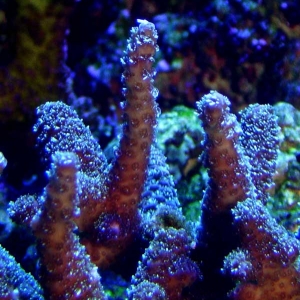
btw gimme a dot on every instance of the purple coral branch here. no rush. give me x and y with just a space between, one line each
241 161
66 270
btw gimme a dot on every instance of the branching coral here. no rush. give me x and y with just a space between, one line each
91 211
241 162
108 195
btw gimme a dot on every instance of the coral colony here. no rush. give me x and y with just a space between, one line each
92 211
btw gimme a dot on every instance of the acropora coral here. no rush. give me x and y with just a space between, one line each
94 215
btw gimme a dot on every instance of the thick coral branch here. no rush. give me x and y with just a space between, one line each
118 222
227 165
66 269
165 269
260 141
139 119
241 161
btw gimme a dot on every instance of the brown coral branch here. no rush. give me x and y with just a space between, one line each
66 270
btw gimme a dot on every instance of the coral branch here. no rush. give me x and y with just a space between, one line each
260 143
15 283
66 269
241 162
166 268
272 256
166 265
3 162
118 221
139 119
227 164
